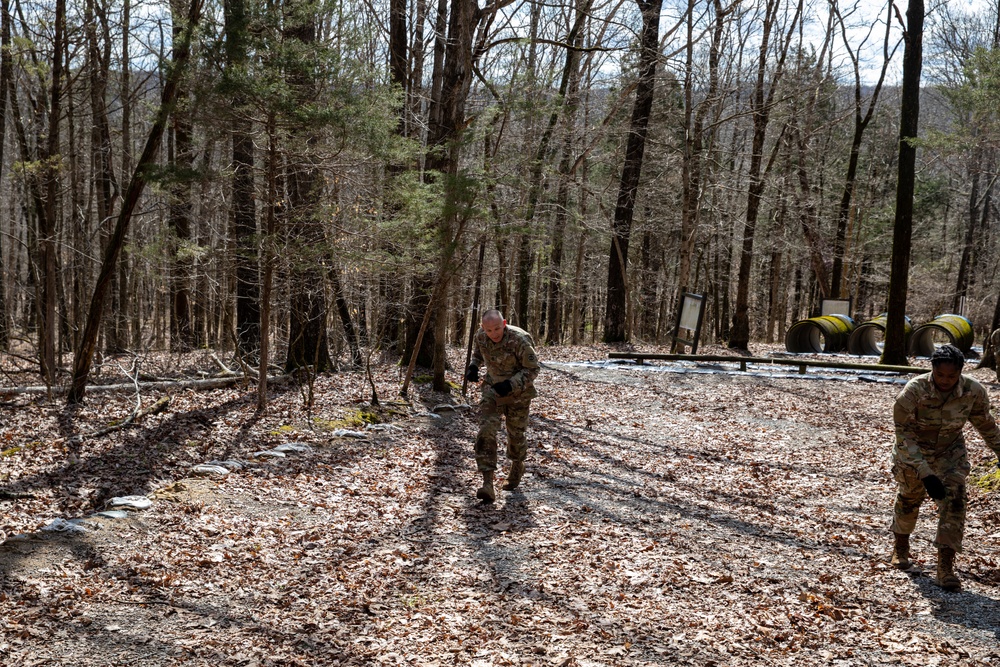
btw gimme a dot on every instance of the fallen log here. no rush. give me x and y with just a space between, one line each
162 385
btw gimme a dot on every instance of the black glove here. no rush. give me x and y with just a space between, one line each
935 488
503 388
472 373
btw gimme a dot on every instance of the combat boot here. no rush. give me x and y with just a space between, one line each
946 577
514 477
486 492
901 552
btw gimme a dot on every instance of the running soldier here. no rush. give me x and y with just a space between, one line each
930 456
511 368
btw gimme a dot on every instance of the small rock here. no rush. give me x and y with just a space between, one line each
269 454
347 433
132 502
64 526
443 407
293 448
379 427
429 415
230 464
112 514
208 470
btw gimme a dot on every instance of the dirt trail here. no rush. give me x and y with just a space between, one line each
666 519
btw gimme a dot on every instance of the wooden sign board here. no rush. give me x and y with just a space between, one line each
690 314
835 307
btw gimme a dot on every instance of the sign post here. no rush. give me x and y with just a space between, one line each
687 330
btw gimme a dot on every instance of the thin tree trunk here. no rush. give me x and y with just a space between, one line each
6 81
739 338
267 253
860 125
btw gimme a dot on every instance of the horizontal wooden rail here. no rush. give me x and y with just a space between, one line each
743 361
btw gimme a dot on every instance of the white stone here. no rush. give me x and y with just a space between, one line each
230 464
268 454
293 448
132 502
208 470
64 526
347 433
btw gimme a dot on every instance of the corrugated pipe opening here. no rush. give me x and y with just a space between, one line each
943 329
869 338
828 333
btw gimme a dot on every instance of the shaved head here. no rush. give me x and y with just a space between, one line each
492 315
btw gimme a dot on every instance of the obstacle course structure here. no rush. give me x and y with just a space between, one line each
869 337
837 333
827 333
948 328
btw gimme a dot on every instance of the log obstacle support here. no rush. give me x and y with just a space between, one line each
802 364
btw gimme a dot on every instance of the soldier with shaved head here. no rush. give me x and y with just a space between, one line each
511 369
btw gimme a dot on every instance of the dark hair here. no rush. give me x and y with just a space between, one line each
948 354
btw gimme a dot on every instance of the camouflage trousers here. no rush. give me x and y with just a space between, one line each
952 469
515 414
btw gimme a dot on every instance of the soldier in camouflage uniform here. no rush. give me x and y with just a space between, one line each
511 368
929 456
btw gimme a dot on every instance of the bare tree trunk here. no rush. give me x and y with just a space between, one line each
308 345
694 137
6 79
894 350
860 125
739 337
268 253
569 90
444 139
180 214
248 315
616 308
969 243
85 353
344 311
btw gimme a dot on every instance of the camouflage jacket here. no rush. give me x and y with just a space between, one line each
929 423
513 358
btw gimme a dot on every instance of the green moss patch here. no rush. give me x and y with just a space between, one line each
990 482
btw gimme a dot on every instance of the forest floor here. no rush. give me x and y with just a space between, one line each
700 518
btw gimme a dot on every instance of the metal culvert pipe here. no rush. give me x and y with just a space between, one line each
828 333
943 329
868 338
